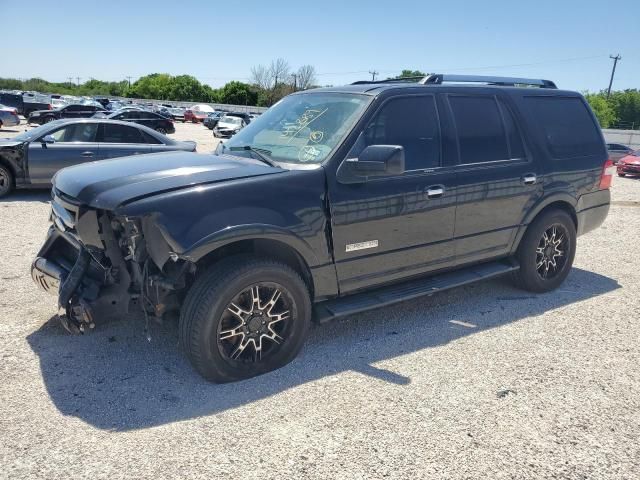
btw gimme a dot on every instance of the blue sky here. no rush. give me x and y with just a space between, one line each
566 41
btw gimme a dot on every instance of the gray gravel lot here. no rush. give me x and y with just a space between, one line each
484 382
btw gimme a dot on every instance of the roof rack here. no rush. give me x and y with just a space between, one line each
439 78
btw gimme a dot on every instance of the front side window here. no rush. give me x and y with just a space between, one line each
302 128
411 122
115 133
481 132
79 132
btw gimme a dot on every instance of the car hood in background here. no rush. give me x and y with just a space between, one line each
109 184
630 159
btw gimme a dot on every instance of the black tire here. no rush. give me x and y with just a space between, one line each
7 182
621 174
161 130
206 309
531 275
47 120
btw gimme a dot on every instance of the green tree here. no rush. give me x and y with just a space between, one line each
603 109
238 93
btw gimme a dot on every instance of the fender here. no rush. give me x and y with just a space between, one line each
541 204
256 231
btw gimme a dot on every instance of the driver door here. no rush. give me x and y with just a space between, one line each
389 228
73 144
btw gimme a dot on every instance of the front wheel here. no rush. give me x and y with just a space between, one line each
546 252
245 316
621 174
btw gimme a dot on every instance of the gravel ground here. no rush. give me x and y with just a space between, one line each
481 382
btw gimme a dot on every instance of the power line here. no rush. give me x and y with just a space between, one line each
613 71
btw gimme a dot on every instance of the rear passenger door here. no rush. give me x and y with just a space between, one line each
118 140
497 180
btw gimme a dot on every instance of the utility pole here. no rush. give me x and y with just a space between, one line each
613 71
129 79
373 75
70 81
78 79
295 82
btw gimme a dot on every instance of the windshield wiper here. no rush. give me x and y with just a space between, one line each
262 153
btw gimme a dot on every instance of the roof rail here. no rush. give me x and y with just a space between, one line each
439 78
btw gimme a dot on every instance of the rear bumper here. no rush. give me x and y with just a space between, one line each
592 210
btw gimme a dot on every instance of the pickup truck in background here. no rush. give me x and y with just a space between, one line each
25 102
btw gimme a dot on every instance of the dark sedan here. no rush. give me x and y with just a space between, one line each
70 111
30 159
153 120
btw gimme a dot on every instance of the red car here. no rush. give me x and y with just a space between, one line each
629 165
188 116
195 116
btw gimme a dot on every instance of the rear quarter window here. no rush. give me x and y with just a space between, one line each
567 125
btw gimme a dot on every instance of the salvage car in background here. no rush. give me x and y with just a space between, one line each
158 122
230 124
629 165
212 119
70 111
30 159
617 151
8 116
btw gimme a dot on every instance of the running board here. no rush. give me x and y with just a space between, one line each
380 297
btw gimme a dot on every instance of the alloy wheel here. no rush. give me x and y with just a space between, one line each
5 182
255 323
552 251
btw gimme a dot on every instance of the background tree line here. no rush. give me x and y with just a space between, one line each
269 83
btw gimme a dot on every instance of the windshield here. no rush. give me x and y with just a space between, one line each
230 120
302 128
37 132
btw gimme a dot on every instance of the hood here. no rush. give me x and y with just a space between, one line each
109 184
630 159
9 142
41 112
227 126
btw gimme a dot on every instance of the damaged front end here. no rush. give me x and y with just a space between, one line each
101 266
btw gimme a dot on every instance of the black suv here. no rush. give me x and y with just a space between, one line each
334 201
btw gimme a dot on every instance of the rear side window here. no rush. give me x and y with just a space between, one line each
481 132
150 139
568 127
114 133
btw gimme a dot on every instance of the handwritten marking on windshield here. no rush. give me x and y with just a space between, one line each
306 119
316 136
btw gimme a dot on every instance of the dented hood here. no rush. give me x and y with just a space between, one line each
108 184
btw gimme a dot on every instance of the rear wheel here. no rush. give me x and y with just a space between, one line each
161 130
47 119
546 252
244 317
6 181
621 174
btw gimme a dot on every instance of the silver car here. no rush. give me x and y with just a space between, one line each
617 151
8 117
63 143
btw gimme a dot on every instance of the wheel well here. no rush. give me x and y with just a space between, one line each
7 164
560 205
272 249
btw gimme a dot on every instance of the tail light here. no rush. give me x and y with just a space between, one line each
608 171
49 107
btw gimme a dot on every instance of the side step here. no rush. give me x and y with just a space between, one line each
380 297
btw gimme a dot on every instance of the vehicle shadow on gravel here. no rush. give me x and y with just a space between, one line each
114 379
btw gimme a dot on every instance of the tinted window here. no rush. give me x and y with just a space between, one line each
516 149
567 125
74 108
79 132
149 139
114 133
413 123
481 133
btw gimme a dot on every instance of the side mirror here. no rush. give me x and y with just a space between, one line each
48 139
373 161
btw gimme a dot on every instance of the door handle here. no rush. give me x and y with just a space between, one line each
529 179
435 191
87 154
